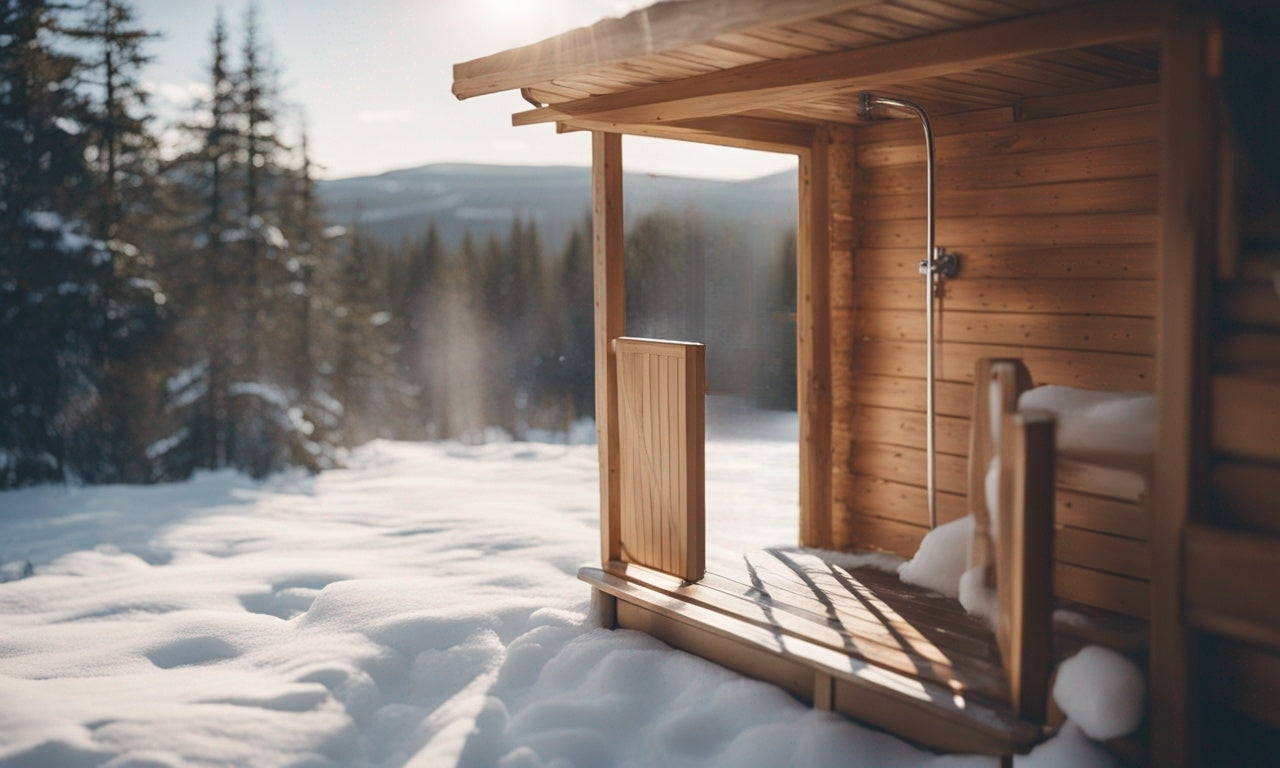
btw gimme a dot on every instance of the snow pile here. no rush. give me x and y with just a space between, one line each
976 597
1101 691
1093 420
942 558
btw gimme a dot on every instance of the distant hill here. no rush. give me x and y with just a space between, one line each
485 198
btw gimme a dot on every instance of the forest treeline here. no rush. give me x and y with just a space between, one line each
172 297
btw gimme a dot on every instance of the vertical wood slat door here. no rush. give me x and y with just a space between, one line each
661 421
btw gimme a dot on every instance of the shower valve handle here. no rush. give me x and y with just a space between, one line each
945 263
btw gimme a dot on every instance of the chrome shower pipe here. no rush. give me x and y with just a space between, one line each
936 264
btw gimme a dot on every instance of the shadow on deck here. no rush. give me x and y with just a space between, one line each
854 640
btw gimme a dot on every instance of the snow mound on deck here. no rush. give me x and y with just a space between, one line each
942 558
1101 691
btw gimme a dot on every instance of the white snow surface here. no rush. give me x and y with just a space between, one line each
418 608
1101 691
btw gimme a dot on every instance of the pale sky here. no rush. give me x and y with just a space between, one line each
374 76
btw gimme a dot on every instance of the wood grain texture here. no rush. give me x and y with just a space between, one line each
1074 131
813 343
1091 370
1095 262
1024 585
1008 171
738 89
660 27
841 236
1104 196
1042 230
997 385
927 712
1133 298
661 420
1101 333
1187 213
610 315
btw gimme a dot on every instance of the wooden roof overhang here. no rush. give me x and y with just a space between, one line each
763 74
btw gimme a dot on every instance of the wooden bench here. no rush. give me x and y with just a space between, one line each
861 642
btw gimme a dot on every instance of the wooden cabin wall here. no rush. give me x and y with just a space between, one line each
1233 553
1054 219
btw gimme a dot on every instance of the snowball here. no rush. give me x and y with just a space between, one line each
1101 691
941 559
1092 420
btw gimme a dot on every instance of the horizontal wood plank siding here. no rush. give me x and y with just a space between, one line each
1054 221
1233 553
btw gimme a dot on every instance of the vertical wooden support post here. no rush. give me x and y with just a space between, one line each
841 239
813 345
1187 237
606 608
610 320
1024 576
824 691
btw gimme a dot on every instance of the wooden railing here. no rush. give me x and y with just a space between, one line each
660 390
1017 546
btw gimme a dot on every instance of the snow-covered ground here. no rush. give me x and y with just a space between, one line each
418 608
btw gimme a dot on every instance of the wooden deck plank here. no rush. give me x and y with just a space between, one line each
831 634
899 646
831 588
934 716
833 610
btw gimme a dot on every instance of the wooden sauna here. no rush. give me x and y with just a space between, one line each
1115 230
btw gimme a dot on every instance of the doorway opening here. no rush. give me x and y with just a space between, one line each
713 260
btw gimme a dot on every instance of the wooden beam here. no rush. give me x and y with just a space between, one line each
660 27
740 132
842 236
610 323
813 344
1180 485
778 81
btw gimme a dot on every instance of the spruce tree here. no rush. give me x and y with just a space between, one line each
58 284
575 288
123 150
124 212
197 391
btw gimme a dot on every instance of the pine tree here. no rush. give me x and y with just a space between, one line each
414 294
575 291
362 368
197 391
123 150
58 285
123 212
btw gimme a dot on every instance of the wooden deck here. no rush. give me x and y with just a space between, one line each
826 633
